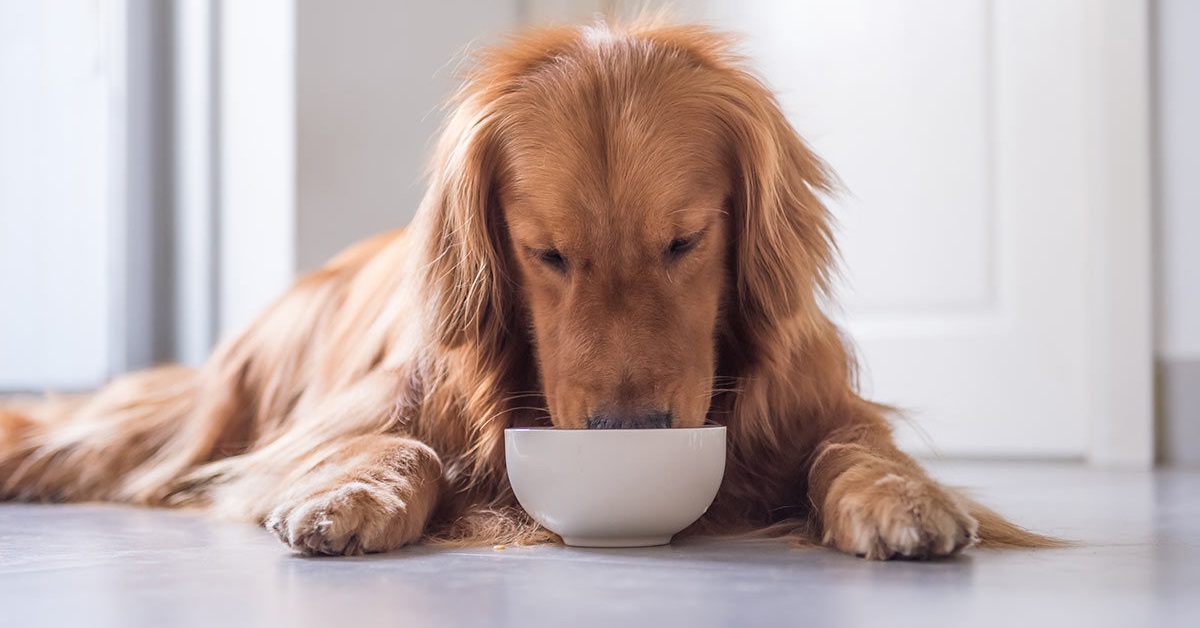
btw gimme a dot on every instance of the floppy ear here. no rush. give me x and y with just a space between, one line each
467 280
782 233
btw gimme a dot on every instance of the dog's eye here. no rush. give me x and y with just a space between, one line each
554 259
680 246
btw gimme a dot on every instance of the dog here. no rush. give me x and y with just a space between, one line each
621 230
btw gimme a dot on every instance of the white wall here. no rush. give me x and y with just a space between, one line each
371 76
1178 232
327 108
1178 47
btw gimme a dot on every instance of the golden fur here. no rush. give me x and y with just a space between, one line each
620 222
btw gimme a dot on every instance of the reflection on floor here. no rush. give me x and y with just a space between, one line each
113 566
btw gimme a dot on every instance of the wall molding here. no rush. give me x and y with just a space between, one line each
1178 405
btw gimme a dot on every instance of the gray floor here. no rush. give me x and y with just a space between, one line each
112 566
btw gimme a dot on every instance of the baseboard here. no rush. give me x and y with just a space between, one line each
1178 412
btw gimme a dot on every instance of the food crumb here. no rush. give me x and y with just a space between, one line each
499 547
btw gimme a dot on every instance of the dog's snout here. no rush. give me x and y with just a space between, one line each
607 421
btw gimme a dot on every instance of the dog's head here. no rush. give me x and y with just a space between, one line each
628 201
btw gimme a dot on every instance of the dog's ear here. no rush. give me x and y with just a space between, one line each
467 278
782 232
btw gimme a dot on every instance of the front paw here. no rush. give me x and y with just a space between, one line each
352 519
889 516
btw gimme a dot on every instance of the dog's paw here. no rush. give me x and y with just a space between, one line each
895 516
352 519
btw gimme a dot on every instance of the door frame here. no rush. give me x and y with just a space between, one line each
1121 325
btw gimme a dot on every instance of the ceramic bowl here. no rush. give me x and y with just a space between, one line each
615 488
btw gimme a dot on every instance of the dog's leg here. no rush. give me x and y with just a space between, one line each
874 501
365 494
340 478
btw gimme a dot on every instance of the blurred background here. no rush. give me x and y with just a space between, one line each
1020 226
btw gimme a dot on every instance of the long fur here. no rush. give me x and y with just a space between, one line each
377 388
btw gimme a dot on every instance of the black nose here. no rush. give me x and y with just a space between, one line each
605 421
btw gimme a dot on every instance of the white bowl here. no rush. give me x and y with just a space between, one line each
615 488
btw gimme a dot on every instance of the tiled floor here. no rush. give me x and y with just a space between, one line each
113 566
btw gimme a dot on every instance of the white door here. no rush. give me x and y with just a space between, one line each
975 140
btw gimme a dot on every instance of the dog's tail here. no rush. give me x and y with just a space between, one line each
995 531
103 446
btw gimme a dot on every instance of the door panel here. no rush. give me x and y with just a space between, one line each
54 195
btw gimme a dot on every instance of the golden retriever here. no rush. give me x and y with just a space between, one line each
621 230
